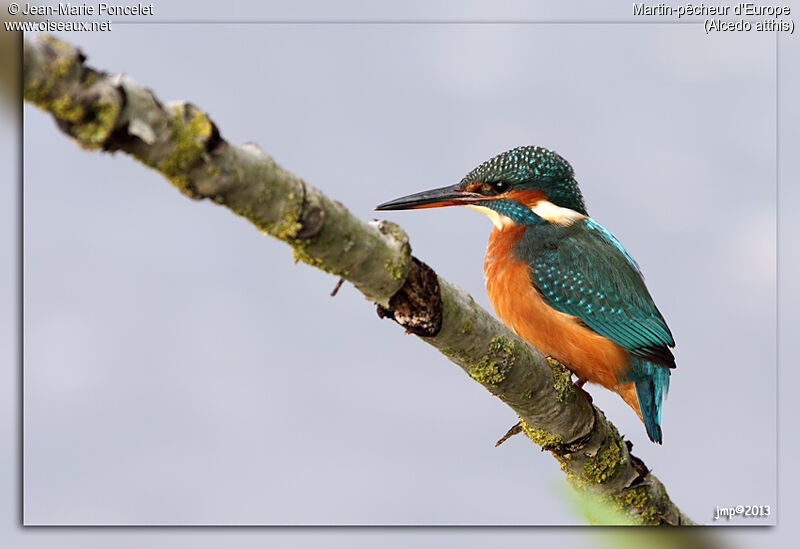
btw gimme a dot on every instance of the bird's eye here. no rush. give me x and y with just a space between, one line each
500 187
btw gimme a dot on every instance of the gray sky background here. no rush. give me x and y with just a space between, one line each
180 369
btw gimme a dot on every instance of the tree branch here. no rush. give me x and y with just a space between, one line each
112 112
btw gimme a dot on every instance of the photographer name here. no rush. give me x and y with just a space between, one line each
102 8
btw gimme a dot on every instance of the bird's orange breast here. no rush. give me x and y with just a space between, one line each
521 307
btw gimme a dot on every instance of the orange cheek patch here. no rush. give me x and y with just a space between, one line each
529 197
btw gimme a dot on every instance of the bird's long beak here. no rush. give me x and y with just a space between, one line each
435 198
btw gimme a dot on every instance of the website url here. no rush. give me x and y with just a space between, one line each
63 26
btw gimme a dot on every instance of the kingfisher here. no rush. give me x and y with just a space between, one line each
560 280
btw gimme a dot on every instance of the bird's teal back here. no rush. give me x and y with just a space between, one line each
582 270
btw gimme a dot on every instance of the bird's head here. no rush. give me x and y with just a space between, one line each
523 186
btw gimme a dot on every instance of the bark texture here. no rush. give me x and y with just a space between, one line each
114 113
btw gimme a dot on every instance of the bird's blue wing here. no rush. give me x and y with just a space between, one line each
609 238
582 270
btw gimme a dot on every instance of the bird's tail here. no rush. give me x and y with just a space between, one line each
652 384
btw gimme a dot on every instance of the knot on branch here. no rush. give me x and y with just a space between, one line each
312 216
417 305
193 136
83 104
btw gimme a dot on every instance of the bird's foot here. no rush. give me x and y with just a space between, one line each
579 384
516 429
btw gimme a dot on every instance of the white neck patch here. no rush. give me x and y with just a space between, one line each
556 214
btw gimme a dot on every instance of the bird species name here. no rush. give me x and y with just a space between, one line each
703 10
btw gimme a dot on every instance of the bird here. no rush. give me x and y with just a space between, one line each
560 280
